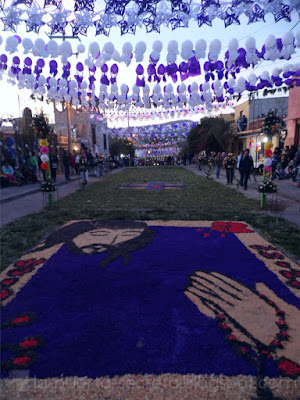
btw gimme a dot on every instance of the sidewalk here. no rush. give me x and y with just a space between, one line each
18 201
15 192
288 195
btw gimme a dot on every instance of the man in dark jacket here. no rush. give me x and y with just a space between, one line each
245 167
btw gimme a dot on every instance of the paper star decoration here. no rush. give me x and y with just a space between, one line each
179 20
104 24
150 24
230 17
84 5
258 14
52 3
126 28
203 18
83 20
25 2
11 19
59 20
34 21
284 13
182 6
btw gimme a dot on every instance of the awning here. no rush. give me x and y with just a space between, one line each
253 135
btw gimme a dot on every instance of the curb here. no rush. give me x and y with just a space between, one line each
19 196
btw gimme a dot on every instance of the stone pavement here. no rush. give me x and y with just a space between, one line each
18 201
288 195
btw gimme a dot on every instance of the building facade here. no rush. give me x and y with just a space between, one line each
293 118
87 129
253 137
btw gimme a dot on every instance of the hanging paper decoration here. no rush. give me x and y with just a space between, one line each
114 72
84 5
150 14
104 80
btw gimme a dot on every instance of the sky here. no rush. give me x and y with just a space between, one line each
13 100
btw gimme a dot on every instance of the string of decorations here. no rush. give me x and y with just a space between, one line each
235 57
151 15
77 90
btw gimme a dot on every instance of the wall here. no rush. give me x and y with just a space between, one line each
263 106
293 117
81 128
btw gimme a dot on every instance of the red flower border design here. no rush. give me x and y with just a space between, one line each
233 227
292 276
21 267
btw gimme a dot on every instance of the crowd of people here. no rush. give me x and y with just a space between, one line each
285 164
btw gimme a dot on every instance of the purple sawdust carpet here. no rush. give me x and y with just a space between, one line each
172 299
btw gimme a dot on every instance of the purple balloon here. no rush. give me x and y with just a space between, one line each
16 60
219 65
161 69
139 69
18 38
114 69
104 68
28 61
40 63
93 69
3 58
207 66
79 67
53 64
67 66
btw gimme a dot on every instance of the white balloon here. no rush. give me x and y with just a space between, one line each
157 46
81 48
109 48
27 44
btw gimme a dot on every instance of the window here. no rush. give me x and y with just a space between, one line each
104 142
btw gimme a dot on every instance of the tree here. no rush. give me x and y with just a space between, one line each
213 134
272 123
121 146
40 123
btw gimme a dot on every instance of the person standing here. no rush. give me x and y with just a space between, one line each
53 166
73 162
83 168
218 162
33 165
66 163
100 163
245 167
77 160
229 162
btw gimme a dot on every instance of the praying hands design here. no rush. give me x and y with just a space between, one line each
254 316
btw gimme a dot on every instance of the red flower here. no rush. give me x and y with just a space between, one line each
31 342
283 264
224 326
221 316
206 234
287 274
244 350
231 337
21 320
233 227
25 266
5 293
21 361
281 322
198 230
289 367
295 283
9 281
223 235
